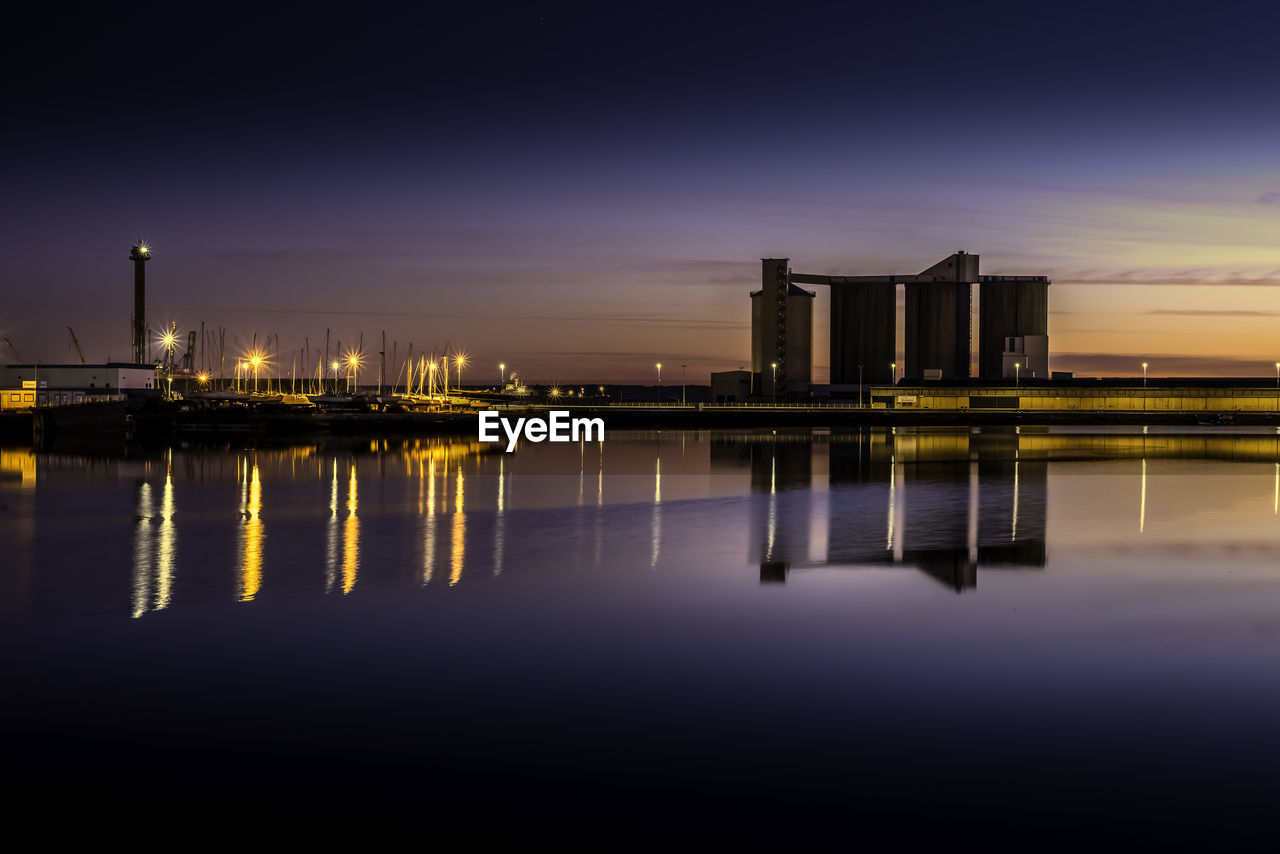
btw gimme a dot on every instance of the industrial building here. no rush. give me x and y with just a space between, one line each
1082 395
1012 334
25 386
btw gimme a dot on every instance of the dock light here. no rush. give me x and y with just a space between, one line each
353 366
460 360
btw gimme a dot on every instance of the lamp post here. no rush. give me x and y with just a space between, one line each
353 364
659 383
1017 374
774 384
893 373
255 362
333 369
502 376
460 360
682 367
1144 386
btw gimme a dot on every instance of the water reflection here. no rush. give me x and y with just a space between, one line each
351 536
458 550
155 546
252 532
944 504
951 504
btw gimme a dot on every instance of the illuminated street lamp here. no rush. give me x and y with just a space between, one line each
502 376
659 383
460 360
333 369
774 385
893 373
255 362
353 366
1017 373
431 386
1144 386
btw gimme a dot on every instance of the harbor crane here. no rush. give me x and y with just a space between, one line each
75 345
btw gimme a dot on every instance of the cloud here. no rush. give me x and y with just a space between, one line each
1244 312
1141 277
1272 198
1172 365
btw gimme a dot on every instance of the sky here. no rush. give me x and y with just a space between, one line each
579 191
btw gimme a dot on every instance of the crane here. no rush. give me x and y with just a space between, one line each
14 350
76 345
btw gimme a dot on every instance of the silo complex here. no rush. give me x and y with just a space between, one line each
938 343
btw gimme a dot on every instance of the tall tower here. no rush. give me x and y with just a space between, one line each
781 333
140 254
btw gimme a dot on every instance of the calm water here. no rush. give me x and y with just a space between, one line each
1036 636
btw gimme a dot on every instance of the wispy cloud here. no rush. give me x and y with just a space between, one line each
1141 277
1243 312
1173 365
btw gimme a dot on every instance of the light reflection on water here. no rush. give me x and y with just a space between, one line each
1019 613
947 503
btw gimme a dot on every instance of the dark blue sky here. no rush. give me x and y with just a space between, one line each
580 190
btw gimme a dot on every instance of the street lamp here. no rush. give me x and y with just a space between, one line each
460 360
333 369
255 362
353 366
1144 386
1017 373
773 386
659 383
502 376
893 373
